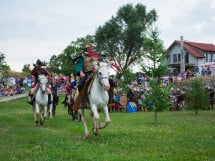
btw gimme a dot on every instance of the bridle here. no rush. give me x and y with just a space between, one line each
98 75
41 85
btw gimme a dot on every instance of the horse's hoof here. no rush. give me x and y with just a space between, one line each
36 123
95 131
87 136
41 123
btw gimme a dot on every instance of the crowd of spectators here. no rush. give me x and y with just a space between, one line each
20 85
138 89
12 86
136 94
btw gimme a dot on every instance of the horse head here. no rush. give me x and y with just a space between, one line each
43 82
102 69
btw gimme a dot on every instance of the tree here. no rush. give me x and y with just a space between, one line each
63 63
122 36
155 53
26 68
197 96
4 68
2 58
126 79
54 64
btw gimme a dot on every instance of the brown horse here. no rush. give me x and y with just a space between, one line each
69 103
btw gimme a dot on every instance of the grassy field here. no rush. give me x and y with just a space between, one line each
178 136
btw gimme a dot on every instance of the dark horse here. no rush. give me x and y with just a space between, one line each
71 98
55 98
113 84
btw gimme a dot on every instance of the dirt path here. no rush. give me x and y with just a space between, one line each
8 98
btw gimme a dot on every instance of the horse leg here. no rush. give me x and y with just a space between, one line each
107 118
95 130
36 113
45 111
37 110
76 115
41 119
95 119
35 117
72 114
42 115
68 110
50 110
87 134
53 110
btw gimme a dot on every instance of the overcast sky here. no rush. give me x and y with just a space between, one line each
32 29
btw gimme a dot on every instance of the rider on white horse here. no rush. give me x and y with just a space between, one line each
38 70
84 63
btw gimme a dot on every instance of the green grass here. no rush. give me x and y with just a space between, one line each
179 135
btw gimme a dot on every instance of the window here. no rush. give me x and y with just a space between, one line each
168 58
179 57
175 58
206 57
213 55
187 58
210 55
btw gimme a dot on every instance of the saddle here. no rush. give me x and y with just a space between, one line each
83 93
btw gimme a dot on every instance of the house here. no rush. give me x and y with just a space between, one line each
183 55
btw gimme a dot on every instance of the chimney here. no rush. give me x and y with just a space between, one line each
182 63
182 44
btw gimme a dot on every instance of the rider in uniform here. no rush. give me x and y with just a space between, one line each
84 64
38 69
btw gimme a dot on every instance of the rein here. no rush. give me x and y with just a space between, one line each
94 76
99 77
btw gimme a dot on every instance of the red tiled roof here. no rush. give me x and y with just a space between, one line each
202 46
195 48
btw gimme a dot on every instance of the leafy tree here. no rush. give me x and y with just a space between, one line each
63 63
2 58
54 64
122 36
155 53
126 79
26 68
4 68
157 97
197 96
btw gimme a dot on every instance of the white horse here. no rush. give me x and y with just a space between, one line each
98 98
41 100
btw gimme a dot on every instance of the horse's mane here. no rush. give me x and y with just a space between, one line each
99 64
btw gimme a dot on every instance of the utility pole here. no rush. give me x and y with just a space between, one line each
182 63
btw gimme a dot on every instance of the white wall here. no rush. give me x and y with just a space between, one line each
174 50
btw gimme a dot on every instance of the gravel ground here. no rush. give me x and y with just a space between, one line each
8 98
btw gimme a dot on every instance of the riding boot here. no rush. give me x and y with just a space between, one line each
49 99
31 101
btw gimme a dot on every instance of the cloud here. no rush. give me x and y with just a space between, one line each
200 26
